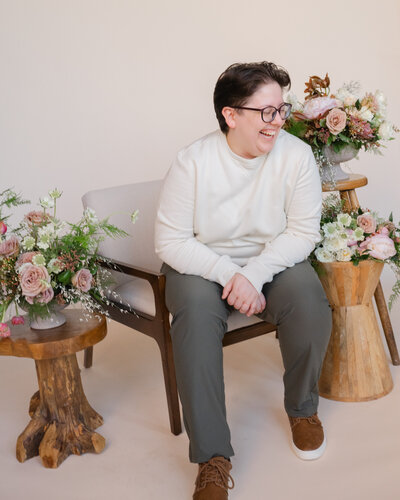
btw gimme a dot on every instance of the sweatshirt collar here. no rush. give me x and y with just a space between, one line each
247 163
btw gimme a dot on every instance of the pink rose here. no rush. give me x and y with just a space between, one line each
36 217
313 108
380 246
82 280
10 247
3 227
336 120
34 280
4 330
366 222
43 298
25 258
17 320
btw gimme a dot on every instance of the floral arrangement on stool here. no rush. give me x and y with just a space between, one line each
349 261
338 125
47 264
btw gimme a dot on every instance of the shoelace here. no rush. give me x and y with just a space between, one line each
214 471
312 420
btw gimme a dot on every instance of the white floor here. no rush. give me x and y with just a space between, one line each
144 461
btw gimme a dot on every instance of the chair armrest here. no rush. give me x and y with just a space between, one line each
156 280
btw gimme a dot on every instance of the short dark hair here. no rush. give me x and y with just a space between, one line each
239 82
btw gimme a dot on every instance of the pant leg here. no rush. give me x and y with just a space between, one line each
297 304
198 327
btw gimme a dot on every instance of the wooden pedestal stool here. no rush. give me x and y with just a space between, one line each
63 421
347 192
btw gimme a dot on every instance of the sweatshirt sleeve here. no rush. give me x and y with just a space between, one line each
175 241
297 241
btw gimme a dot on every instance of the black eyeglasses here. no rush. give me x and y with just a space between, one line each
269 112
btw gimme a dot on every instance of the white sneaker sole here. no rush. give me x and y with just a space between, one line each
312 454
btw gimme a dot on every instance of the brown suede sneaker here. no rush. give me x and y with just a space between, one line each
212 481
309 442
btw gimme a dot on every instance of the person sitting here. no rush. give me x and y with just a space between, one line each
238 215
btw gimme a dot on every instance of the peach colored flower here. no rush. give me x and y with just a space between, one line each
336 120
43 298
10 247
34 280
82 280
313 108
380 246
36 217
366 222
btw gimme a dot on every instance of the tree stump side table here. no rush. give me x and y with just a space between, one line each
348 194
62 421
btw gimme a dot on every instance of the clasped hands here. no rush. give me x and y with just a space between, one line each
242 295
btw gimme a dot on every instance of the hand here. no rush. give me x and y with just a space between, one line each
242 295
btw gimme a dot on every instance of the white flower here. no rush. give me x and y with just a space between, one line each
90 216
54 266
346 97
46 202
386 131
28 243
43 245
344 219
323 255
359 234
364 114
382 102
55 193
336 243
331 229
344 254
38 260
291 98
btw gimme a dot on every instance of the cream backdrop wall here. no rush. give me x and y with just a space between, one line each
96 93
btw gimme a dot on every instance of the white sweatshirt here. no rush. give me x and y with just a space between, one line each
221 214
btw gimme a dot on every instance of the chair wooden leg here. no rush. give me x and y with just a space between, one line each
88 357
165 346
386 324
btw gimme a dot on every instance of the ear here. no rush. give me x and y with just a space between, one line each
230 116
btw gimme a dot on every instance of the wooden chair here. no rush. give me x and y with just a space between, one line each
139 286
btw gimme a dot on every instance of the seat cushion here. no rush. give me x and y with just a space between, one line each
138 294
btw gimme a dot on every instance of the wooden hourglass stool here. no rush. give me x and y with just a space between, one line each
347 192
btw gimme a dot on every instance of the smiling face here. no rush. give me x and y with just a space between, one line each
248 136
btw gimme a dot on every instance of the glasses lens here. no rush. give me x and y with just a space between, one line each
268 114
285 110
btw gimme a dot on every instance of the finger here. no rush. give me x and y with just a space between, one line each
231 299
238 303
252 310
227 290
244 308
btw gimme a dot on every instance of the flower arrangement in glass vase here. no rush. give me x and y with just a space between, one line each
46 263
357 236
337 125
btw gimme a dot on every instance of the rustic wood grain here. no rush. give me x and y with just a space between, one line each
355 367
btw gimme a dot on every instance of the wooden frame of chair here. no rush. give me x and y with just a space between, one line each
158 327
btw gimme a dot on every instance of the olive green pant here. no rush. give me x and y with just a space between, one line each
296 303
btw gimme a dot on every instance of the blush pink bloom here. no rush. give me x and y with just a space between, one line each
336 120
366 222
25 258
43 298
380 246
82 280
10 247
34 280
3 227
36 217
351 243
313 108
17 320
4 330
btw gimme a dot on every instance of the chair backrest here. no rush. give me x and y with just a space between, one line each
118 203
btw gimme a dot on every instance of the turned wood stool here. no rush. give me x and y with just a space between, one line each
347 192
62 421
